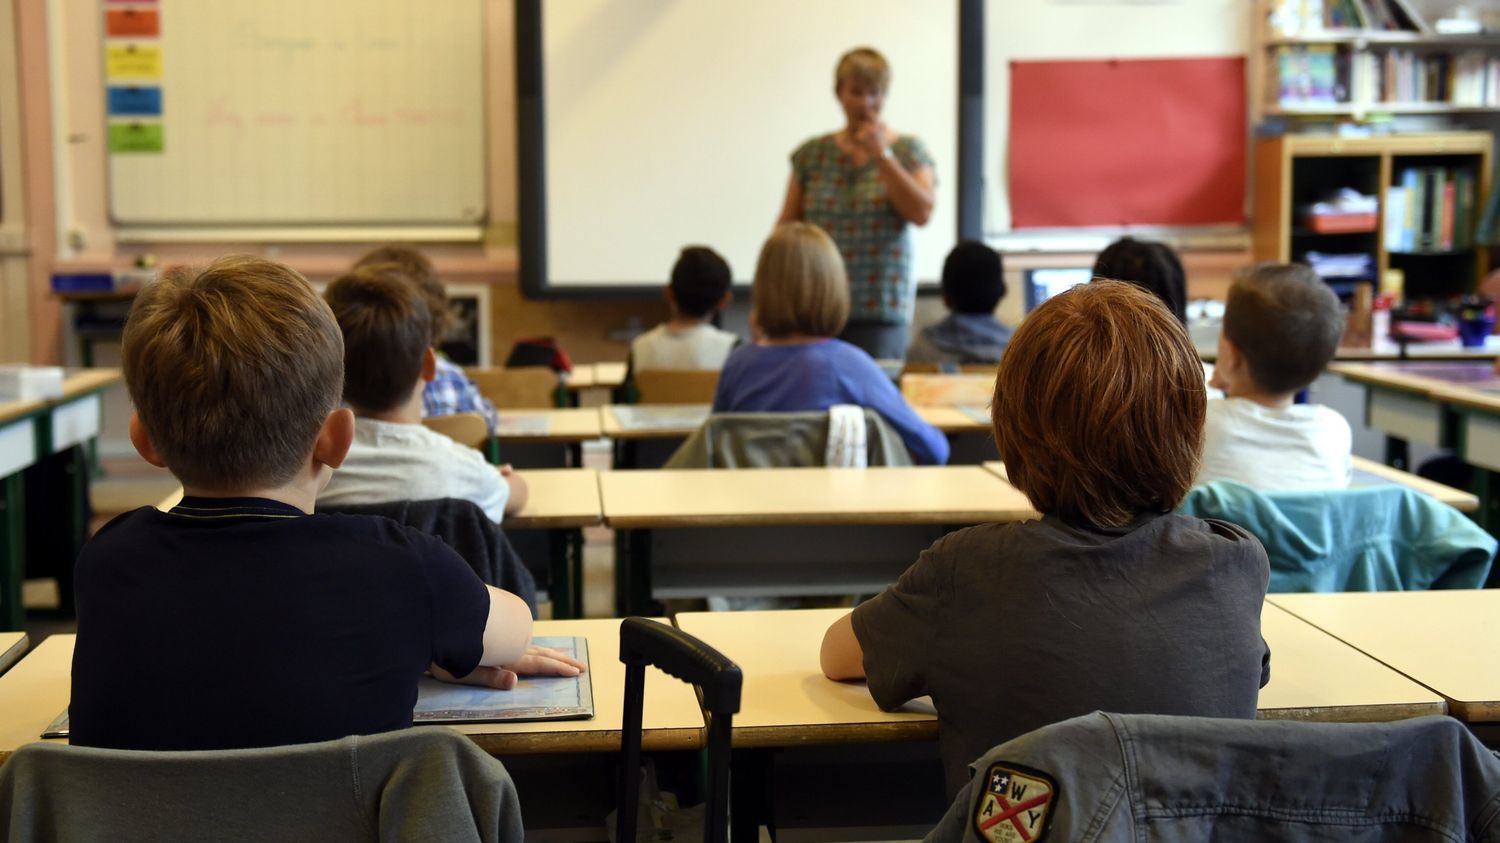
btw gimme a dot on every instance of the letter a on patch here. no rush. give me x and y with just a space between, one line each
1015 805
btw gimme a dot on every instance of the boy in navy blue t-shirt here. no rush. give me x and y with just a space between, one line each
240 619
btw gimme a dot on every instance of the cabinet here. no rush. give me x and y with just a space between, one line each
1294 171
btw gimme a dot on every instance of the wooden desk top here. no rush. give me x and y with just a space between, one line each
34 692
582 377
954 418
77 382
558 497
1315 676
574 424
812 496
171 500
652 421
1419 377
12 645
609 375
12 410
1456 498
786 699
1485 400
1445 640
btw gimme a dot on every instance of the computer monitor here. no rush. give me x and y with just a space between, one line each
1043 284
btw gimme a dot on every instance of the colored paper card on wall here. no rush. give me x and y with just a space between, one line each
132 62
135 137
131 100
1140 142
132 23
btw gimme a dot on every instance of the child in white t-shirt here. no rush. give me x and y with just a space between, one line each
1282 325
699 289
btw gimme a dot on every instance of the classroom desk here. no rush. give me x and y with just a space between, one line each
970 434
646 435
1475 411
1368 472
1444 640
546 438
34 692
609 375
1399 400
30 433
12 645
560 502
787 531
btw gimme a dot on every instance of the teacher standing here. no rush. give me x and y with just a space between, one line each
865 185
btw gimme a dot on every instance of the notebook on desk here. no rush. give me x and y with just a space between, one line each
533 697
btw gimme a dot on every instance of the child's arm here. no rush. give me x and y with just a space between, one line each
508 651
842 657
518 489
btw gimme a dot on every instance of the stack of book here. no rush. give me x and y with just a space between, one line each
1431 209
1302 17
1323 75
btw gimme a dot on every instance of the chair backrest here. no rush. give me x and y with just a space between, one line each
1116 778
427 782
524 387
463 526
948 390
676 386
464 428
1372 538
718 680
780 440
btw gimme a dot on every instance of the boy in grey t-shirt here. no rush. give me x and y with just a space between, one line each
1111 600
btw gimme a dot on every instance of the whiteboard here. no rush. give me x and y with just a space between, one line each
346 112
672 122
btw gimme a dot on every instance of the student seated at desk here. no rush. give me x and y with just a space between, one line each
450 391
973 285
698 291
387 361
799 303
1150 265
239 619
1282 325
1111 600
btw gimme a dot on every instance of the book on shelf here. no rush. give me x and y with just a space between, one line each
1431 209
1308 75
1322 75
1292 18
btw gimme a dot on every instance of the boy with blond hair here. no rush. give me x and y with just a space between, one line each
450 391
388 359
1110 600
1282 325
239 618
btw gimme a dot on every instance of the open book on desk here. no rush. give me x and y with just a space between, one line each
533 697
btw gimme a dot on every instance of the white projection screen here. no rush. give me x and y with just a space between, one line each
648 125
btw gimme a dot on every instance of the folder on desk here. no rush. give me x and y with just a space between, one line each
533 698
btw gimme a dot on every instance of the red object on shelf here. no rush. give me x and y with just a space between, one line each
1362 223
1423 331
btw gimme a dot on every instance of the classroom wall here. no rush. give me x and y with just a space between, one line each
80 223
15 332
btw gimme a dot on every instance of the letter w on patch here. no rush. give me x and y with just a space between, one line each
1015 805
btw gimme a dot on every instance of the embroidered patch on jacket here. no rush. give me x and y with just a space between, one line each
1015 805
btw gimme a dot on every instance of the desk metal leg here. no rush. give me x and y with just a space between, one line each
751 783
566 587
632 572
76 468
1397 453
13 548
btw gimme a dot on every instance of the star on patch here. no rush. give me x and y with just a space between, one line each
1015 806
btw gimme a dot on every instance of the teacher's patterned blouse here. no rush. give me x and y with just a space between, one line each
850 203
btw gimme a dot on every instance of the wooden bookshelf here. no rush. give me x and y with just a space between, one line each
1271 39
1293 170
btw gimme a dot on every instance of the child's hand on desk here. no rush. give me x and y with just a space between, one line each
537 661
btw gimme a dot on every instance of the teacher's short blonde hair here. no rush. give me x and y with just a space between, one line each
800 284
864 65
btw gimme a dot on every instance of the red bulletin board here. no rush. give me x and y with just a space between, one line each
1127 142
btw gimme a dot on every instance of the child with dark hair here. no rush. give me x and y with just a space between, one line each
699 289
1149 265
973 285
1282 324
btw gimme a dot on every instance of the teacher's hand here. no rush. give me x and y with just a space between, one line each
872 139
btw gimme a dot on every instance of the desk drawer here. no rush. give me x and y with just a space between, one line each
75 423
17 446
1405 417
